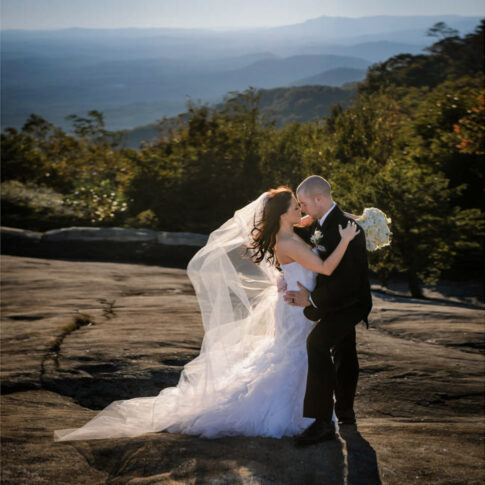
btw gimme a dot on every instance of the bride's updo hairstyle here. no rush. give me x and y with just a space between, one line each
264 232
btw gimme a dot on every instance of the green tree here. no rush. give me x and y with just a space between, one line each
451 56
428 230
440 29
92 128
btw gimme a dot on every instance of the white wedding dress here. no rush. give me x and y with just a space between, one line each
250 376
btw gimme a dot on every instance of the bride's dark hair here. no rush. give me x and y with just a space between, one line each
264 231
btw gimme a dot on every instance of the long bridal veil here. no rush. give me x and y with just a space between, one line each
237 301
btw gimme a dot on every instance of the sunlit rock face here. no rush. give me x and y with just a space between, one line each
77 335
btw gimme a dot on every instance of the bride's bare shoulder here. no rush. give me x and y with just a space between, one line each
287 245
289 241
283 248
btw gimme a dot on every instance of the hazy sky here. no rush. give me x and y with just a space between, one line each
56 14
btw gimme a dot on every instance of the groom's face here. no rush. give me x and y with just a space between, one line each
309 205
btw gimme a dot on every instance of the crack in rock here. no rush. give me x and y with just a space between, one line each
79 320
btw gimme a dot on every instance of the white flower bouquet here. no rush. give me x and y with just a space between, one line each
375 225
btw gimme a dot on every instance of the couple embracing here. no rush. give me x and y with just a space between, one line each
280 297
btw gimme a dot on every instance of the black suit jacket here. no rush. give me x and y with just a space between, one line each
348 286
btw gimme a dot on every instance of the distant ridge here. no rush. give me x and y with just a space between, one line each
137 75
333 77
271 73
283 105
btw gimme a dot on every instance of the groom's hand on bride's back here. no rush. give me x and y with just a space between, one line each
298 298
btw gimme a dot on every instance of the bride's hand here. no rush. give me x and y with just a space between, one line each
349 232
306 221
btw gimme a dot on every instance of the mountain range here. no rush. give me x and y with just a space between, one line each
136 76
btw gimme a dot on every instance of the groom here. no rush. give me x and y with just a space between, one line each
337 303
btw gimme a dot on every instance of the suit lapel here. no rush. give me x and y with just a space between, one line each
329 239
314 227
332 216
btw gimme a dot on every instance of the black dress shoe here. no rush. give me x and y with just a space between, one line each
315 433
346 417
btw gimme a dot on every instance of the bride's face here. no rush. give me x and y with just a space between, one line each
293 214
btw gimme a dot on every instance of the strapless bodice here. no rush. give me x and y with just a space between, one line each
294 272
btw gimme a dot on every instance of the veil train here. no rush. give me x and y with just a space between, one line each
237 302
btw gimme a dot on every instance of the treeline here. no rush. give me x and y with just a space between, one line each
280 105
411 145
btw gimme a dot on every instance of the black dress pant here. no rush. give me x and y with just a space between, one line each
333 366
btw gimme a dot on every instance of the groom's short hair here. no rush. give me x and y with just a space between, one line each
314 185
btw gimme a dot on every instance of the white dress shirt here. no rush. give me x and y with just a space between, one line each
322 219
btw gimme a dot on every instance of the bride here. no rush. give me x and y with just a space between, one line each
250 376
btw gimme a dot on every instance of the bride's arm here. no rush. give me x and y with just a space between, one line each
300 252
351 216
308 221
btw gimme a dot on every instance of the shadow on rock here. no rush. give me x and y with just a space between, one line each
96 393
361 458
169 458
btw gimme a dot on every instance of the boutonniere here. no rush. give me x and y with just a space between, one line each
316 238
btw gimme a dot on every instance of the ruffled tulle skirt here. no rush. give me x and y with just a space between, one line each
262 395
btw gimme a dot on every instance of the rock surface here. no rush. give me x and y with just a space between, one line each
77 335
